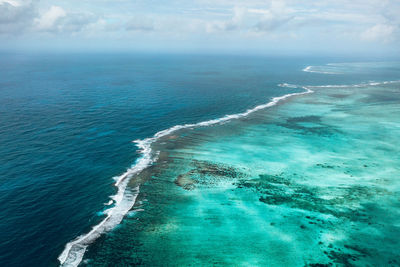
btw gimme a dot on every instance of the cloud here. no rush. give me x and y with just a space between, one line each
379 32
236 22
15 17
277 15
56 19
48 20
255 19
11 2
273 23
322 22
140 24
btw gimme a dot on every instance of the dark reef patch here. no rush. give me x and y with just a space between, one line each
318 265
309 125
343 202
339 96
344 259
213 169
326 166
185 181
311 118
207 174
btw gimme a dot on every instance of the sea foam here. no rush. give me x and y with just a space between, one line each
310 69
372 83
125 197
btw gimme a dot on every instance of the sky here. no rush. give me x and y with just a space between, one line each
250 26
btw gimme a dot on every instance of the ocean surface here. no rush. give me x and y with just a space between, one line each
269 160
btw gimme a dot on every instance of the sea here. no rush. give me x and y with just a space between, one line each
198 160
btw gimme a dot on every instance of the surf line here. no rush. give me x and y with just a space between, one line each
125 198
359 85
309 69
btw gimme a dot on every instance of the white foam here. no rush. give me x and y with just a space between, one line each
125 198
288 85
309 69
109 203
354 85
74 250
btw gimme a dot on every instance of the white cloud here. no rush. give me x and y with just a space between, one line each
140 24
16 17
311 22
236 22
48 20
11 2
58 20
274 17
379 32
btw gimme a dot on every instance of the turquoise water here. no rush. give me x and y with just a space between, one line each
298 180
311 180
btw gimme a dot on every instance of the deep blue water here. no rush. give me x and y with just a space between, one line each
67 122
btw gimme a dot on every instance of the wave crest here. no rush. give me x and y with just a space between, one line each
372 83
310 69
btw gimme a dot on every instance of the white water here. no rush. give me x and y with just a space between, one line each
288 85
125 198
354 85
309 69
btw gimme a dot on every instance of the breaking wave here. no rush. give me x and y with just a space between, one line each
313 70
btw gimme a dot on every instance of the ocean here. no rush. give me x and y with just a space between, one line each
197 159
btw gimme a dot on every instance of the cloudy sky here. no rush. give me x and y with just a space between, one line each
202 25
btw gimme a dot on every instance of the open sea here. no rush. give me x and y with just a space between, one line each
178 160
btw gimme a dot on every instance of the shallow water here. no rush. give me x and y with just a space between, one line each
314 179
